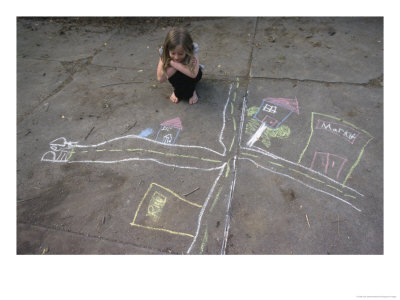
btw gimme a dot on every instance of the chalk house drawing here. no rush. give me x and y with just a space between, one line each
169 131
311 170
327 133
158 199
271 114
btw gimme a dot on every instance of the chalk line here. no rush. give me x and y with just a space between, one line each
132 136
227 218
223 121
256 136
244 107
261 151
309 186
144 159
204 207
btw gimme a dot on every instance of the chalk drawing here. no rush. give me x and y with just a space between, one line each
265 123
328 162
152 217
326 129
156 205
346 132
263 133
271 113
289 166
299 181
216 199
205 240
274 111
163 199
203 209
146 132
227 216
169 131
61 150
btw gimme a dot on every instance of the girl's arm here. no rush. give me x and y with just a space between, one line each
161 75
185 69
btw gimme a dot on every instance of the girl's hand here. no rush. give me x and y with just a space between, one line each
173 64
164 75
169 62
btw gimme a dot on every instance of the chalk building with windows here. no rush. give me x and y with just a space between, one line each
274 111
169 131
334 147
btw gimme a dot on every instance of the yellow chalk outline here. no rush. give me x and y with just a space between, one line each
307 175
212 160
249 154
205 240
347 123
216 199
334 188
228 169
233 140
71 153
274 163
351 196
162 229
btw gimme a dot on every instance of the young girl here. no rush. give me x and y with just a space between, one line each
179 64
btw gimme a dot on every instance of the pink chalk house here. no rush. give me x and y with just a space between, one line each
169 131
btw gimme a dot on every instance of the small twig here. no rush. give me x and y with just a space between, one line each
129 127
129 82
19 201
308 221
191 192
89 132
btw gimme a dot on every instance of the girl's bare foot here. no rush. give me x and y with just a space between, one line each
194 98
174 98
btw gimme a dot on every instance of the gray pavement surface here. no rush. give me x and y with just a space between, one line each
283 153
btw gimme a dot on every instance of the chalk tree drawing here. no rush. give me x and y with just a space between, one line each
281 132
149 213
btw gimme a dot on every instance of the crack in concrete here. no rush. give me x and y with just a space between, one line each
372 83
95 237
72 67
225 245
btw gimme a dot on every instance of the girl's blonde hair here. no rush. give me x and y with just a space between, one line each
178 36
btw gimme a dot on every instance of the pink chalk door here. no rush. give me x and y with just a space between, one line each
328 164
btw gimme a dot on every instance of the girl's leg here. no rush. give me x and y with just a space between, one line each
195 98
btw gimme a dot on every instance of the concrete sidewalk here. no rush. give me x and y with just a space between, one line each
283 153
